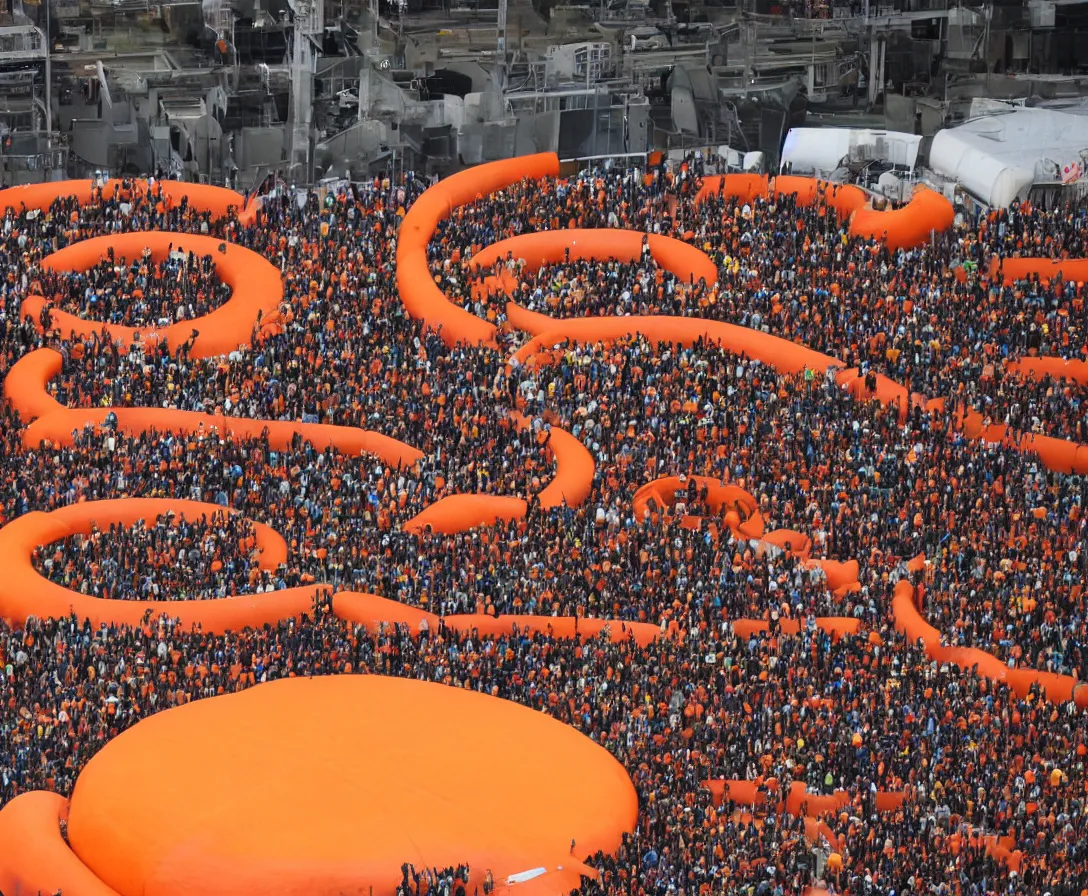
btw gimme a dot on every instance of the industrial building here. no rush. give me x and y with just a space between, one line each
230 91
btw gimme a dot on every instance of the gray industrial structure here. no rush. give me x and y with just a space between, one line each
226 91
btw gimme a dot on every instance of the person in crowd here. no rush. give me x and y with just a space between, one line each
864 712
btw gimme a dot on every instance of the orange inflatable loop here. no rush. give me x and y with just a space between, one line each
913 224
218 201
688 264
25 592
909 621
256 292
243 802
422 297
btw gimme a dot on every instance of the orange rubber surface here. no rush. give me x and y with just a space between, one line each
256 292
245 800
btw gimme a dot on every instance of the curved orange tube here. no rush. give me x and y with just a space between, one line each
30 831
422 298
25 385
25 390
59 427
688 263
1010 270
909 621
1057 454
913 224
455 513
783 355
219 201
24 592
571 485
372 610
256 292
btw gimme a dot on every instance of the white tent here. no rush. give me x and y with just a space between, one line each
998 158
820 150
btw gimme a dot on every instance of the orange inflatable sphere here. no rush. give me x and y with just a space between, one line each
325 786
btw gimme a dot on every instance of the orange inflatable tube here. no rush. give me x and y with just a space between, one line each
1012 270
25 385
783 355
24 592
1060 455
1057 368
909 621
256 292
58 427
423 298
571 485
574 467
456 513
25 388
687 263
913 224
218 201
35 857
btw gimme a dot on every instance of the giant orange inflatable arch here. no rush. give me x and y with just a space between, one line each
26 593
218 201
256 292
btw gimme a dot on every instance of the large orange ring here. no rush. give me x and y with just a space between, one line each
256 292
26 593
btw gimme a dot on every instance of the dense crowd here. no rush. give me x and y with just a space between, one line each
865 713
170 558
138 293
